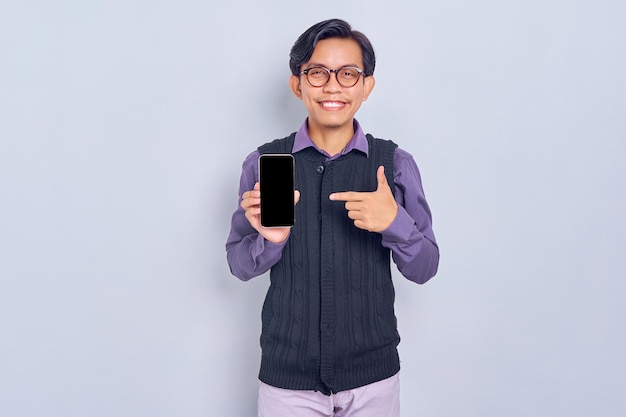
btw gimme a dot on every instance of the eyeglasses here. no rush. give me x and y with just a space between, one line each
319 76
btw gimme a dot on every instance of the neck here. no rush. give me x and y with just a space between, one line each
331 140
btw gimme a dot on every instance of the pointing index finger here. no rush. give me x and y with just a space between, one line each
346 196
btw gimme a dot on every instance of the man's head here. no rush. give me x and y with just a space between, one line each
332 68
334 28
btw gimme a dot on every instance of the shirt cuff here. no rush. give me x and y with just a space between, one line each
401 229
267 249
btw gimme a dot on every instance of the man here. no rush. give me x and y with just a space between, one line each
329 336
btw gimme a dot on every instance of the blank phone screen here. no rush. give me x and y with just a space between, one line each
276 178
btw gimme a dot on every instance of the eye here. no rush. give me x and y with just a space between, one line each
317 73
348 73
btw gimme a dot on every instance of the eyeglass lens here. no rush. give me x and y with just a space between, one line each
346 76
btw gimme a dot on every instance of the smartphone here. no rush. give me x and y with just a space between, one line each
276 178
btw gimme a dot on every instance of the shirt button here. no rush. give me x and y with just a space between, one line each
319 169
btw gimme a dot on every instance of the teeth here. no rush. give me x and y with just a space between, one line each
331 104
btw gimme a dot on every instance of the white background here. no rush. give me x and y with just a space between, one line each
123 125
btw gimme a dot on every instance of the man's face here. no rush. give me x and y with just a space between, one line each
332 106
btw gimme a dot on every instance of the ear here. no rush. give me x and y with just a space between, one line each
369 83
296 88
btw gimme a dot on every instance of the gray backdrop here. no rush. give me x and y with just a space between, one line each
123 125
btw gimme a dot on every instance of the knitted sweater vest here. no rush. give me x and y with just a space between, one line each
328 321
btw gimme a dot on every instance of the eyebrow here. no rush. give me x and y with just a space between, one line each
317 64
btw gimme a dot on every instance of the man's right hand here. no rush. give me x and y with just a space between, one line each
251 204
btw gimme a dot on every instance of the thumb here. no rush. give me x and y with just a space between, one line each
382 179
296 196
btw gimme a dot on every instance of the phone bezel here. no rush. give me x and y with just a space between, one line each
292 212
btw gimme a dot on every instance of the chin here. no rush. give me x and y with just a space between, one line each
334 124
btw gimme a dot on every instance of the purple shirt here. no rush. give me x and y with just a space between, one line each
409 237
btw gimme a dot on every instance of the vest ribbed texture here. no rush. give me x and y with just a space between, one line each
328 321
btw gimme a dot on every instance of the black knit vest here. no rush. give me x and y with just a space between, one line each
328 321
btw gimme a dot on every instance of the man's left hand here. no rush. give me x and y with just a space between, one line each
371 211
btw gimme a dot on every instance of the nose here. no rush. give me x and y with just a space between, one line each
332 86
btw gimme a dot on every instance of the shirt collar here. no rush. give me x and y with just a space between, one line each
358 141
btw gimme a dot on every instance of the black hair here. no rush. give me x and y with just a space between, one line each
333 28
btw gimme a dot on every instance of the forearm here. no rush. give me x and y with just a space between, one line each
414 252
247 252
251 255
410 236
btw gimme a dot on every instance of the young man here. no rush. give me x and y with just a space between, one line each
329 336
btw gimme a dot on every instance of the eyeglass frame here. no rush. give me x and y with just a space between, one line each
359 71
